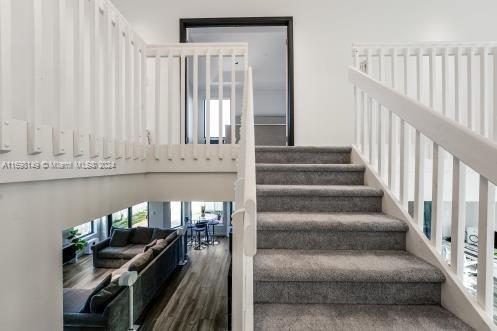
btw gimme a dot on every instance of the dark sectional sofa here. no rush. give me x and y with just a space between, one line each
114 252
106 306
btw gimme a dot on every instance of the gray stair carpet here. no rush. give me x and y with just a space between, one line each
328 258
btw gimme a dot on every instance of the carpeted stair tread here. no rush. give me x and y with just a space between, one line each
342 266
296 317
307 149
339 222
318 190
309 167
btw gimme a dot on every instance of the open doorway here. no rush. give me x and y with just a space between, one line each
271 57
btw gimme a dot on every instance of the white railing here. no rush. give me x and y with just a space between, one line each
381 106
230 55
245 219
83 86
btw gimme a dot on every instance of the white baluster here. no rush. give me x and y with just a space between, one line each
404 144
370 129
79 83
469 78
483 91
107 111
458 217
419 175
233 104
144 85
182 105
445 79
208 102
437 197
493 122
195 104
486 232
34 111
5 74
118 109
363 123
96 84
419 74
128 123
136 99
392 132
381 170
356 102
457 88
221 103
433 76
170 105
158 117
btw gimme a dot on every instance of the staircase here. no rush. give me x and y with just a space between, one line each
327 258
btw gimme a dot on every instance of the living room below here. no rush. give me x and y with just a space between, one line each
151 239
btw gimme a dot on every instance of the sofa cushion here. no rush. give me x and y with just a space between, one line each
127 252
141 235
161 233
119 237
74 299
139 262
100 300
157 248
150 245
171 237
103 283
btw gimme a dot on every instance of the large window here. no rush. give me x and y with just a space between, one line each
139 215
175 214
211 210
120 219
85 228
214 117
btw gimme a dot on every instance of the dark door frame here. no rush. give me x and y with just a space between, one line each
185 23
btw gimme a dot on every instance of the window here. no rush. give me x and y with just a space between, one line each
84 229
214 117
139 215
175 214
211 210
120 219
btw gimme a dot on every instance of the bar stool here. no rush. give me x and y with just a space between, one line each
205 227
213 223
198 229
190 226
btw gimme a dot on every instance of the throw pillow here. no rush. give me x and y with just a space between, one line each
161 233
103 283
141 236
100 300
161 244
148 246
140 261
171 237
119 237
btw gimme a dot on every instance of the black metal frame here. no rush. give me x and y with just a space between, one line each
185 23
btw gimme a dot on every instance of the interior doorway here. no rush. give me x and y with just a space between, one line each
270 42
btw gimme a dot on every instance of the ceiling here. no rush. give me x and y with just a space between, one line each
267 50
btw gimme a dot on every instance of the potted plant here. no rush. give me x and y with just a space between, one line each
80 244
202 211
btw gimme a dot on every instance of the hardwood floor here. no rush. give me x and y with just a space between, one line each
82 274
196 297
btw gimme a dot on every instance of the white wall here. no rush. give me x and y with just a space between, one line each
323 33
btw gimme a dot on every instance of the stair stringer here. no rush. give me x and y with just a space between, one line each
454 296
